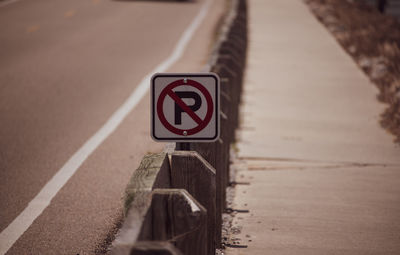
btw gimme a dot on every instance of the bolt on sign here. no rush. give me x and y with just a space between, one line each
185 107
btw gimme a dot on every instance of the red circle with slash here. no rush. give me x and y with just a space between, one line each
201 123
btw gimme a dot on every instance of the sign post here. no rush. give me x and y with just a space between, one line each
185 107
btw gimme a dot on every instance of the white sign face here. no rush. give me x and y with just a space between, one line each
185 107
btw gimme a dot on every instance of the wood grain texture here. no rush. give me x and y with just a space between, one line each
230 84
154 248
180 219
153 172
214 153
191 172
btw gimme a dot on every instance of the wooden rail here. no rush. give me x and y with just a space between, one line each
174 202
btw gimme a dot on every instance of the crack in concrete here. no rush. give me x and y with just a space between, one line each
323 164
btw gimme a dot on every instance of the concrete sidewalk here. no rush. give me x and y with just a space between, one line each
323 176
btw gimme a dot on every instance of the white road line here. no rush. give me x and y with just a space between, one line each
7 2
35 208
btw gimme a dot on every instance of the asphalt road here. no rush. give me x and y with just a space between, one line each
65 68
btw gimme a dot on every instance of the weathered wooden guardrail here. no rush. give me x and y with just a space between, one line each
161 204
174 202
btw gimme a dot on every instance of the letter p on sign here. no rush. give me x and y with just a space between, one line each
185 107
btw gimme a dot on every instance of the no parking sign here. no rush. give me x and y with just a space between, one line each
185 107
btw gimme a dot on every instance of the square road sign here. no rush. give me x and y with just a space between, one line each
185 107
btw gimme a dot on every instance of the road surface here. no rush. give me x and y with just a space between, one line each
65 68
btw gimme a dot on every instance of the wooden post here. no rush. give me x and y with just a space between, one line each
230 84
191 172
154 248
223 162
227 116
180 219
173 215
211 153
182 147
153 172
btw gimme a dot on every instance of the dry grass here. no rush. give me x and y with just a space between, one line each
373 40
